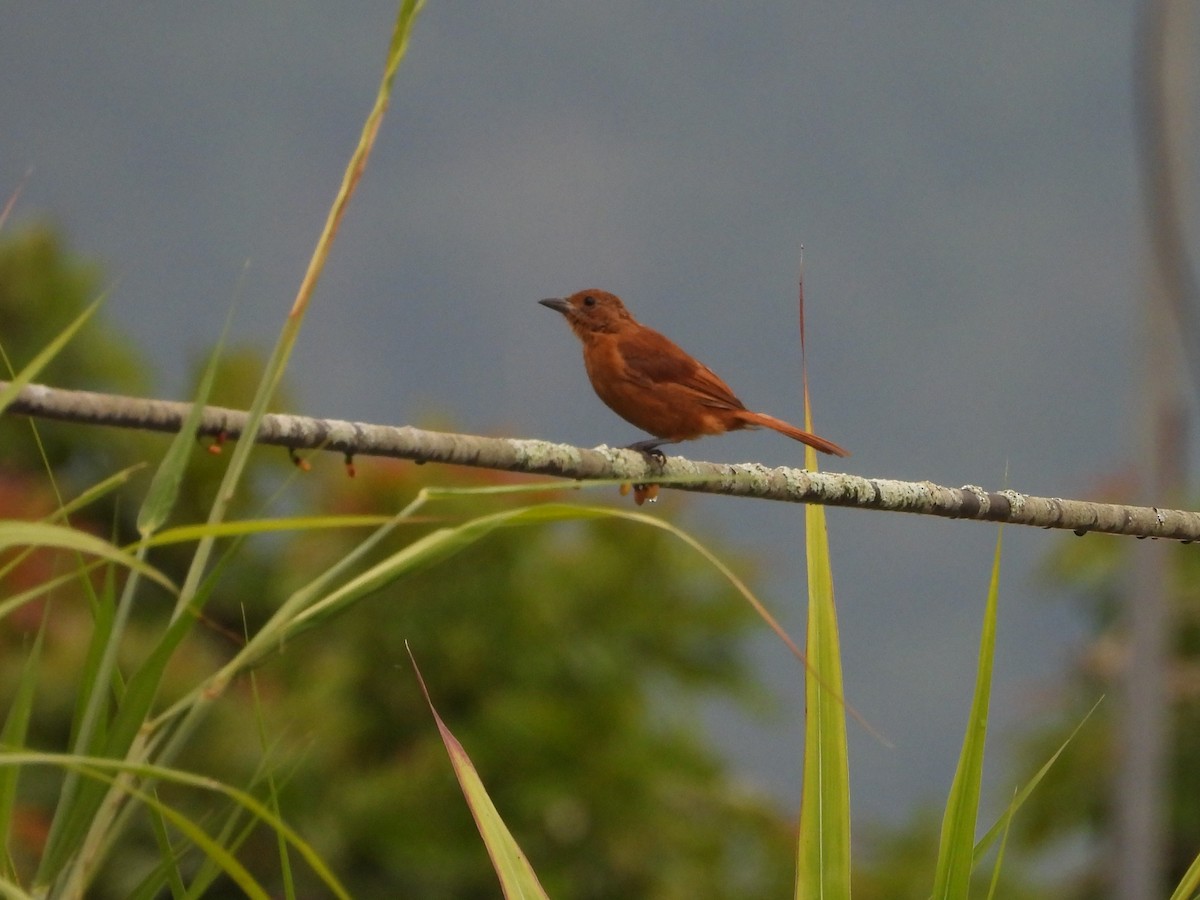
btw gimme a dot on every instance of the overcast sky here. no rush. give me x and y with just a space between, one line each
961 176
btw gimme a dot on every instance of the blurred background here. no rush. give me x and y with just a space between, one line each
965 185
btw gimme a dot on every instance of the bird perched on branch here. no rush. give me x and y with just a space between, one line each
650 382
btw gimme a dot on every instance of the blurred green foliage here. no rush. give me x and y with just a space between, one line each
41 291
570 663
1073 808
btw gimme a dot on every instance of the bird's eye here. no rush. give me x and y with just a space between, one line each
589 300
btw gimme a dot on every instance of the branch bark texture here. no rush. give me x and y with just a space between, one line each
562 460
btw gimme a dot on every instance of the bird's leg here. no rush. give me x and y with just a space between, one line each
650 448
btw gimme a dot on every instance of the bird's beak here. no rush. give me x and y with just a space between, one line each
557 304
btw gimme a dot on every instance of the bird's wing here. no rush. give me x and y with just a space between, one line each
653 359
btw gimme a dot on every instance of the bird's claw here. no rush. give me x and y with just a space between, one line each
651 449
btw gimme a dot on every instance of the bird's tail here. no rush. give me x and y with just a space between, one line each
814 441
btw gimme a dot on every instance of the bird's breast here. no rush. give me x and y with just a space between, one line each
664 408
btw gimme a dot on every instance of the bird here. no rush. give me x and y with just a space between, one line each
651 382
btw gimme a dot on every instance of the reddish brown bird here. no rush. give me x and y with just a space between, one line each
651 382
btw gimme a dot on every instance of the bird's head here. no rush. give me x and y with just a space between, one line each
590 312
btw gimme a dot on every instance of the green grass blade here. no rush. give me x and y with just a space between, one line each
212 849
44 534
95 492
823 854
166 873
277 362
79 797
285 862
11 890
104 614
39 362
1024 793
115 741
99 768
164 488
446 542
16 728
186 534
92 494
1005 822
1190 884
516 875
956 852
16 601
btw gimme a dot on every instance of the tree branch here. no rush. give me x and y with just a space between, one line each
565 461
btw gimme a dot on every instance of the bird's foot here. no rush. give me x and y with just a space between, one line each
651 448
